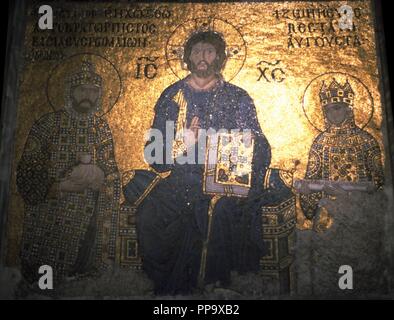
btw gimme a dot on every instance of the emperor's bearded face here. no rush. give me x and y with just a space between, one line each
203 58
85 97
337 113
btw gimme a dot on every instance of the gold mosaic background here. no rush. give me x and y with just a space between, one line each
255 34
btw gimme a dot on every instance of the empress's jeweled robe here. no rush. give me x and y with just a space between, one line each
354 239
346 153
72 232
172 220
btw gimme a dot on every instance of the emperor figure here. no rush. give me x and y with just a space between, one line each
187 236
68 179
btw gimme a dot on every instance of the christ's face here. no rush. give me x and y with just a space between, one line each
202 57
336 113
85 97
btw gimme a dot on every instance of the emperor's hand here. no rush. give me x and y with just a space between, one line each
83 176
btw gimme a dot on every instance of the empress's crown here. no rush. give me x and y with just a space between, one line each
86 75
336 93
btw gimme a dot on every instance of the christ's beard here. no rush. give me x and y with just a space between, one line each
210 70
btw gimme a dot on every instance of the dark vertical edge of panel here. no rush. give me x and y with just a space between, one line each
388 133
17 16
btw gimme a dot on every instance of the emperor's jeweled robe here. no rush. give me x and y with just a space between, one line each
71 232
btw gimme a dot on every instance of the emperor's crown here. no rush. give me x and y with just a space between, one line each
336 93
86 75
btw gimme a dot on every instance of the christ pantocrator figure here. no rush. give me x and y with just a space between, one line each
175 218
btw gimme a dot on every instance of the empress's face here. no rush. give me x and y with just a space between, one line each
202 57
85 97
336 113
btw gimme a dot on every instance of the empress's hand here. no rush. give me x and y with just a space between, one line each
323 220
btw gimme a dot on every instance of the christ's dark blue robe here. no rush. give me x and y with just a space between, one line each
172 221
